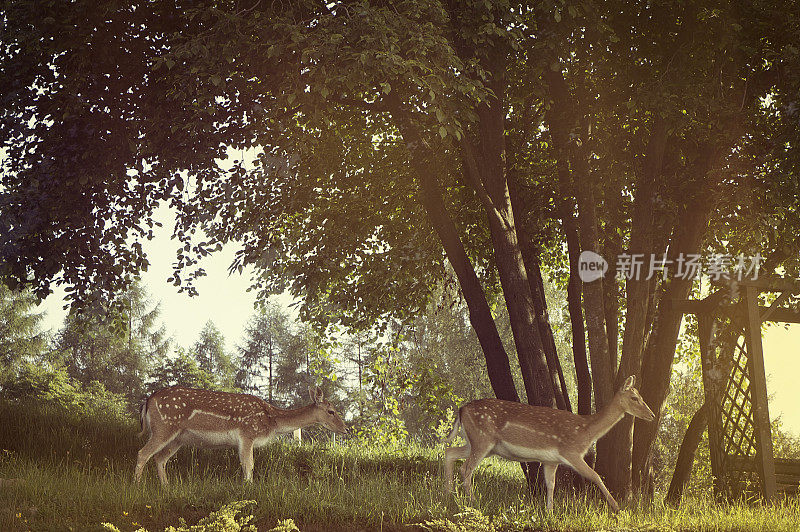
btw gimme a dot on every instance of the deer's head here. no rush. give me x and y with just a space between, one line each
325 413
632 402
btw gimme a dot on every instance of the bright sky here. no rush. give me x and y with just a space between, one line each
782 365
224 300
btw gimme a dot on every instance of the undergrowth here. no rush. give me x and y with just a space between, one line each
61 471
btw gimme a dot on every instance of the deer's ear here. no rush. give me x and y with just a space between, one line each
629 382
317 396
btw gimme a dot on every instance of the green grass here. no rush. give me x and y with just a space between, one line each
75 475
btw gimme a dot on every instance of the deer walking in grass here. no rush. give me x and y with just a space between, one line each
179 416
526 433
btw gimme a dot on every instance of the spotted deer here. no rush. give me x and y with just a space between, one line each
526 433
179 416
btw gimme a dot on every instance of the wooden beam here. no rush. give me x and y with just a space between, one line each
783 466
765 315
695 306
764 284
758 390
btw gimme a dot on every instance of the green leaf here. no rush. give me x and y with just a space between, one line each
442 131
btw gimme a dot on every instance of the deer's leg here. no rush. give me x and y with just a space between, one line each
162 457
246 458
476 454
578 464
158 440
451 454
550 482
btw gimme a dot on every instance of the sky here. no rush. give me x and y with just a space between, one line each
224 299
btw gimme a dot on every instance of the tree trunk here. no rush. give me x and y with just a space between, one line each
480 316
546 332
660 350
530 258
485 165
270 369
618 443
566 208
683 466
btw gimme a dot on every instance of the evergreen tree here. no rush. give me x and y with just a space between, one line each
209 350
21 337
184 370
113 346
267 337
307 361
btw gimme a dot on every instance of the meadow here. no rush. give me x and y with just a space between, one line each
65 471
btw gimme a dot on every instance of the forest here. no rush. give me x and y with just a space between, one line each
426 179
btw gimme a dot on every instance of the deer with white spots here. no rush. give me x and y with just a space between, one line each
526 433
179 416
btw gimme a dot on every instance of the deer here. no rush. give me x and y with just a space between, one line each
179 416
526 433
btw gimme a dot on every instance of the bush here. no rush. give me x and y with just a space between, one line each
52 386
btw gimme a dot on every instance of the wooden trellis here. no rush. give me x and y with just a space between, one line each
735 387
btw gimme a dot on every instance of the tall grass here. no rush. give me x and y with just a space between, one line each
75 474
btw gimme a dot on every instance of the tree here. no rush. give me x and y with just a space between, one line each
267 335
182 370
21 337
209 351
307 361
115 346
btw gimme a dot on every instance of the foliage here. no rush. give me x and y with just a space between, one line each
267 339
21 338
182 369
468 520
226 519
785 444
52 385
209 351
114 346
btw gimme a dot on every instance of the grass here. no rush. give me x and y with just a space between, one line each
76 475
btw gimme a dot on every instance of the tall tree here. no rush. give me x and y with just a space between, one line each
266 337
115 346
209 351
182 369
21 336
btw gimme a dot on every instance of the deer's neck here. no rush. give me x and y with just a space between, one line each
296 418
603 421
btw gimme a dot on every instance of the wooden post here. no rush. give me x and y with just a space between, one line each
758 389
711 388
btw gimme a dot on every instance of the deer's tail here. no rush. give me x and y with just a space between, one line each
455 430
144 419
